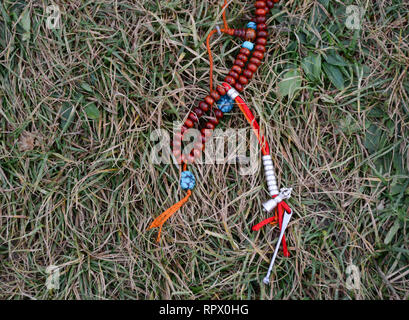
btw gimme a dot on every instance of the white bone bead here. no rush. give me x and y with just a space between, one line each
270 175
268 168
271 179
232 93
273 188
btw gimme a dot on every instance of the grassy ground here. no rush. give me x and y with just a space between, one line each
78 105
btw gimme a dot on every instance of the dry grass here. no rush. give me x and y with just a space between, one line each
80 193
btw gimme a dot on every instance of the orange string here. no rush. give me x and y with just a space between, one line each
224 14
163 217
225 30
209 51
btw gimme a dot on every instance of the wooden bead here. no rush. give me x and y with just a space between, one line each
230 80
209 126
261 26
245 51
204 106
270 4
189 123
239 87
235 75
248 74
198 112
240 63
243 80
218 113
262 33
250 34
261 19
221 90
193 117
252 67
260 4
260 47
255 61
261 12
241 33
209 100
262 41
237 69
215 95
258 54
214 121
275 1
242 57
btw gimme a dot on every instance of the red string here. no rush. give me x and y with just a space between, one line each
280 210
252 121
258 226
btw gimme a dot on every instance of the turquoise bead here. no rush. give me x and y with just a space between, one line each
225 104
249 45
252 25
187 180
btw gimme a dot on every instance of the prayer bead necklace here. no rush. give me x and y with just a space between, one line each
222 100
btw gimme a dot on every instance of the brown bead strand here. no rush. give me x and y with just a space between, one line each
259 37
236 77
255 62
194 117
210 125
237 69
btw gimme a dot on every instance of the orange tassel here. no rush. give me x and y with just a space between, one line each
159 221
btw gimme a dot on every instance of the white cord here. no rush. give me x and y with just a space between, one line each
286 220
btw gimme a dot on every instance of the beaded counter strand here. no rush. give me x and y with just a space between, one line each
220 101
